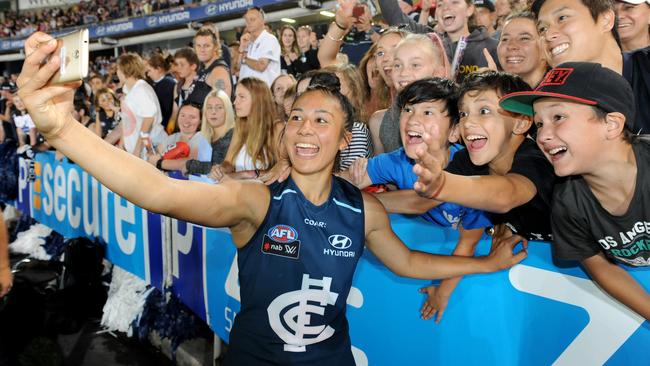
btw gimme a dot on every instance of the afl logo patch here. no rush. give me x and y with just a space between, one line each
340 242
283 233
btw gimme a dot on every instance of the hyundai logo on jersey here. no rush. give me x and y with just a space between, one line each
340 241
283 233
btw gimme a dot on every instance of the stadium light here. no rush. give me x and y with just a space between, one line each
288 20
328 14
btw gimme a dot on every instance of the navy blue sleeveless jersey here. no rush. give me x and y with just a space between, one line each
295 275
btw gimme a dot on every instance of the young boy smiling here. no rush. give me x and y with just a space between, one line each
426 105
601 212
502 171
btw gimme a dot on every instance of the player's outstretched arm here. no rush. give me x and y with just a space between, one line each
50 107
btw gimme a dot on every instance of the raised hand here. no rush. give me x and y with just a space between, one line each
491 65
428 168
435 304
244 41
344 11
50 106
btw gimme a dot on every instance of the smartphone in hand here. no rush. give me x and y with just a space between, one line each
73 51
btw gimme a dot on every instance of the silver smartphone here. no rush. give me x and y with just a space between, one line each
73 51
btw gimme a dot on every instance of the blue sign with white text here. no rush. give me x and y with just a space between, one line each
158 21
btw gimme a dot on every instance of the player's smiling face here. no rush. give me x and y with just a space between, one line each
315 132
484 126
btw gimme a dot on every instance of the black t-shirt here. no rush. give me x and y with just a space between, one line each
196 93
164 89
107 123
532 219
10 131
582 228
305 62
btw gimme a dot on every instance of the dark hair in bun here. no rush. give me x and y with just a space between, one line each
328 83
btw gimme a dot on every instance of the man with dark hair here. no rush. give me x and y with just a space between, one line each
213 69
260 50
586 30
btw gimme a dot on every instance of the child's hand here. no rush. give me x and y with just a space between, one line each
431 177
502 254
279 173
436 302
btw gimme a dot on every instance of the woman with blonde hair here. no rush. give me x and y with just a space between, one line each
217 127
414 57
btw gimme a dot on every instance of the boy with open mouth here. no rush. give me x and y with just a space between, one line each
501 171
601 212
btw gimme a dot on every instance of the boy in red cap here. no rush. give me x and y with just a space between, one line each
600 213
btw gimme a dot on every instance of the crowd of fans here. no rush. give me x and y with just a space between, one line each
84 13
431 81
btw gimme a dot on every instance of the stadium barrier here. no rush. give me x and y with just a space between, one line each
536 313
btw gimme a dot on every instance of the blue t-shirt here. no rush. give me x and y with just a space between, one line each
397 168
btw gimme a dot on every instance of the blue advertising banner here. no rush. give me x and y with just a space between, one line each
158 21
533 314
67 199
536 313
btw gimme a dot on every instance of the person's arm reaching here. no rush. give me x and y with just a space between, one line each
406 201
331 42
233 204
492 193
438 296
383 242
618 283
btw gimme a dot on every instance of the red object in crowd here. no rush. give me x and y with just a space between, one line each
179 150
376 188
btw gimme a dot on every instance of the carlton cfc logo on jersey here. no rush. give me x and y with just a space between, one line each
283 233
